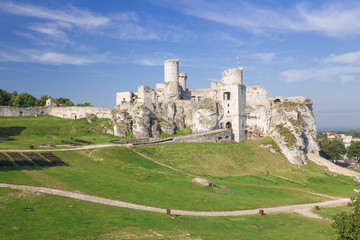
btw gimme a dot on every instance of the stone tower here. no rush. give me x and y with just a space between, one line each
182 81
232 96
171 79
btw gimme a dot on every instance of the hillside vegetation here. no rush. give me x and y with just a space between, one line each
246 176
20 132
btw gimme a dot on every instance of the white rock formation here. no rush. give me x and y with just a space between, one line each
289 121
207 116
202 182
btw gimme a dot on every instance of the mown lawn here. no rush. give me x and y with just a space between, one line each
21 132
118 173
249 162
39 216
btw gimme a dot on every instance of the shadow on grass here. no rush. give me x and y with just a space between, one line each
20 168
6 132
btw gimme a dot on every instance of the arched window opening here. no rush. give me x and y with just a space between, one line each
277 100
228 125
226 96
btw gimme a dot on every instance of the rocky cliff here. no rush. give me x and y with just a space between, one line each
167 117
289 121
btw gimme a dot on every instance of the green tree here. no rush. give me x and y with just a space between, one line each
65 102
85 104
5 98
332 149
24 100
13 96
42 100
354 150
347 226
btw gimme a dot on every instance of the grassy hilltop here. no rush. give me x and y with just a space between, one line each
246 176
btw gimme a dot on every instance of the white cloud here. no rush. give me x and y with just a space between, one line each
53 58
71 15
149 62
266 56
336 20
341 73
350 57
52 30
156 59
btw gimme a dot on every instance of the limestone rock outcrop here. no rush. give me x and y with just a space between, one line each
289 121
207 116
141 122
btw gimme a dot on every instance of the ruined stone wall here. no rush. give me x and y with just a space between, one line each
80 112
6 111
63 112
210 136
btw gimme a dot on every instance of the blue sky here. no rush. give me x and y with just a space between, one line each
89 50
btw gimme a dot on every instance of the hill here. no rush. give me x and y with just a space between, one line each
246 175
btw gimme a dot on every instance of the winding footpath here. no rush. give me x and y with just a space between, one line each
291 208
303 209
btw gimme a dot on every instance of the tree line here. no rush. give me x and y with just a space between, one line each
13 99
334 149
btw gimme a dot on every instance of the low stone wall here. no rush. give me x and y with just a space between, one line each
209 136
18 112
80 112
63 112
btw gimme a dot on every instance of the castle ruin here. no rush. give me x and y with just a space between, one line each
229 92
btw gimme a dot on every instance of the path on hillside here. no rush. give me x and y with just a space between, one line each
332 167
117 203
65 149
153 160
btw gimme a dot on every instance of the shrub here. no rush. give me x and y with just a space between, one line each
347 226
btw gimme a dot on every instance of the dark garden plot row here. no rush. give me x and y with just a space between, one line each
20 159
54 159
5 161
82 141
37 159
41 160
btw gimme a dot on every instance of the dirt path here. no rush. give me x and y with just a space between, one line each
162 164
66 149
117 203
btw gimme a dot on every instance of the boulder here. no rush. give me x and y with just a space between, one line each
202 182
168 127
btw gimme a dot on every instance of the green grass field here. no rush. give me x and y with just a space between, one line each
245 175
22 132
30 216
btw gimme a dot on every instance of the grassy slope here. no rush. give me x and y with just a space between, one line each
29 216
118 173
249 162
25 131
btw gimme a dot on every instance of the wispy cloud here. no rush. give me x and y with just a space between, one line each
71 15
266 56
156 59
332 19
343 67
53 58
328 73
52 30
350 57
